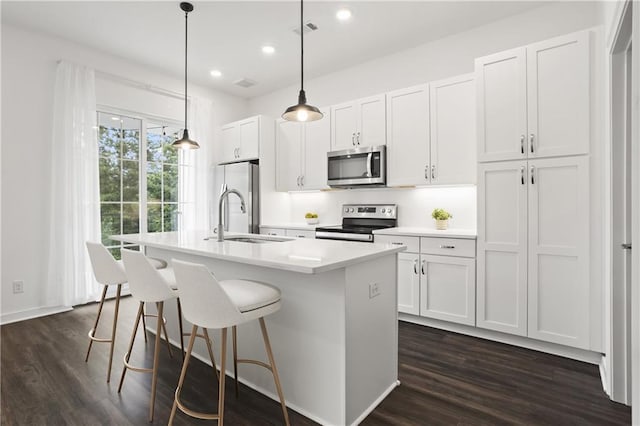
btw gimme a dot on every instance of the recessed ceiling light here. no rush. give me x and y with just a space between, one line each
343 14
268 50
216 73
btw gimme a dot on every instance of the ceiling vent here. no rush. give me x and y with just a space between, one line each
245 82
307 28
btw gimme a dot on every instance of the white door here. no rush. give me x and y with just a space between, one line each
230 140
372 123
409 283
448 288
317 138
502 247
408 136
559 251
249 138
343 126
453 131
558 96
288 155
501 81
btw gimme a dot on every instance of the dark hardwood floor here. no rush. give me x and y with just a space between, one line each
446 379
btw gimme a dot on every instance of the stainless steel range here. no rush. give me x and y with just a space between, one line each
359 221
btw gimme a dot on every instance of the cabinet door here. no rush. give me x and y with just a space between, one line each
559 251
249 146
298 233
558 96
372 123
317 136
230 139
408 136
502 247
343 126
408 283
502 106
448 288
288 155
453 131
272 231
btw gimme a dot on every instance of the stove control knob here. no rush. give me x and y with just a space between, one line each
346 210
384 210
390 211
351 210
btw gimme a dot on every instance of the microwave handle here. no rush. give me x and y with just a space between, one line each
369 161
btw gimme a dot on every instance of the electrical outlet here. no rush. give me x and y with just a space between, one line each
374 290
18 287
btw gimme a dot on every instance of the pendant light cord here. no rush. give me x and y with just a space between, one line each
301 46
186 33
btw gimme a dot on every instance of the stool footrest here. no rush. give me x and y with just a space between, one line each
134 368
193 413
253 361
97 339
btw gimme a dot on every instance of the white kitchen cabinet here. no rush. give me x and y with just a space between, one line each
534 101
448 288
533 247
408 147
408 283
241 140
299 233
453 131
358 123
301 154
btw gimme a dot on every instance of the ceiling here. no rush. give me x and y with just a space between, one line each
228 35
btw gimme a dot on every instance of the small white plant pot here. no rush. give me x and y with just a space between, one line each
311 221
442 225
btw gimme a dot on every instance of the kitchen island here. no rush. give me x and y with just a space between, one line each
335 340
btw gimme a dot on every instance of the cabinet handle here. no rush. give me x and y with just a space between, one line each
433 172
300 236
299 181
531 170
415 266
531 142
426 172
358 138
444 246
522 175
272 233
626 246
302 180
521 144
422 267
353 139
396 244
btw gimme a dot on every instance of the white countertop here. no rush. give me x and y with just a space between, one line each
428 232
299 226
303 255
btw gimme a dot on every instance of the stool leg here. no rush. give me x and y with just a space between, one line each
164 329
95 326
180 325
156 359
113 331
144 324
213 359
183 373
222 376
274 370
133 338
235 357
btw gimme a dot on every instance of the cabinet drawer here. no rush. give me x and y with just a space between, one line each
297 233
412 243
448 246
272 231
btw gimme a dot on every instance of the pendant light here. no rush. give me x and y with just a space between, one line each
302 111
185 142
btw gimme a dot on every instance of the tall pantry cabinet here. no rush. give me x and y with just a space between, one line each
533 106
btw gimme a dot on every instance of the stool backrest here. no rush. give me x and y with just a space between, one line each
105 268
145 282
204 302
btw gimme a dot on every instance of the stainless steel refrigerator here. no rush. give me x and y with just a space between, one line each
242 177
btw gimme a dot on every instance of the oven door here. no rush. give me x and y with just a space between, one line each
328 235
354 167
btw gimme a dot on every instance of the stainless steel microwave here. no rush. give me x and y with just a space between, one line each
366 166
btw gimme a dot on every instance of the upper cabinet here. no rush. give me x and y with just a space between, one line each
358 123
534 101
301 154
431 133
241 140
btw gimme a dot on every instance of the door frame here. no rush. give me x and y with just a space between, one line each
635 232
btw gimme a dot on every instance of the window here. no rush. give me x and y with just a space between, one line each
139 177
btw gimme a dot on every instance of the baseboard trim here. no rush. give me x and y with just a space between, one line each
32 313
524 342
603 375
377 402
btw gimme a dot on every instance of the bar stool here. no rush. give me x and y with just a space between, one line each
149 284
108 272
209 303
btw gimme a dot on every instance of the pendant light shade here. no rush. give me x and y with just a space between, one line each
185 142
302 111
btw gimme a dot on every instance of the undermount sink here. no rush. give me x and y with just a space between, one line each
252 239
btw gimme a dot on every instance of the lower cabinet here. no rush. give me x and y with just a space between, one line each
285 232
272 231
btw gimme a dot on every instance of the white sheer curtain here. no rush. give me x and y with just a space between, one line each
195 175
74 188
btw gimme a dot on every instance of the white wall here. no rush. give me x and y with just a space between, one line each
28 74
432 61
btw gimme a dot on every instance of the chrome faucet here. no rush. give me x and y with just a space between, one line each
223 196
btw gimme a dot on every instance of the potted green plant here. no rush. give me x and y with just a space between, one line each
442 218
